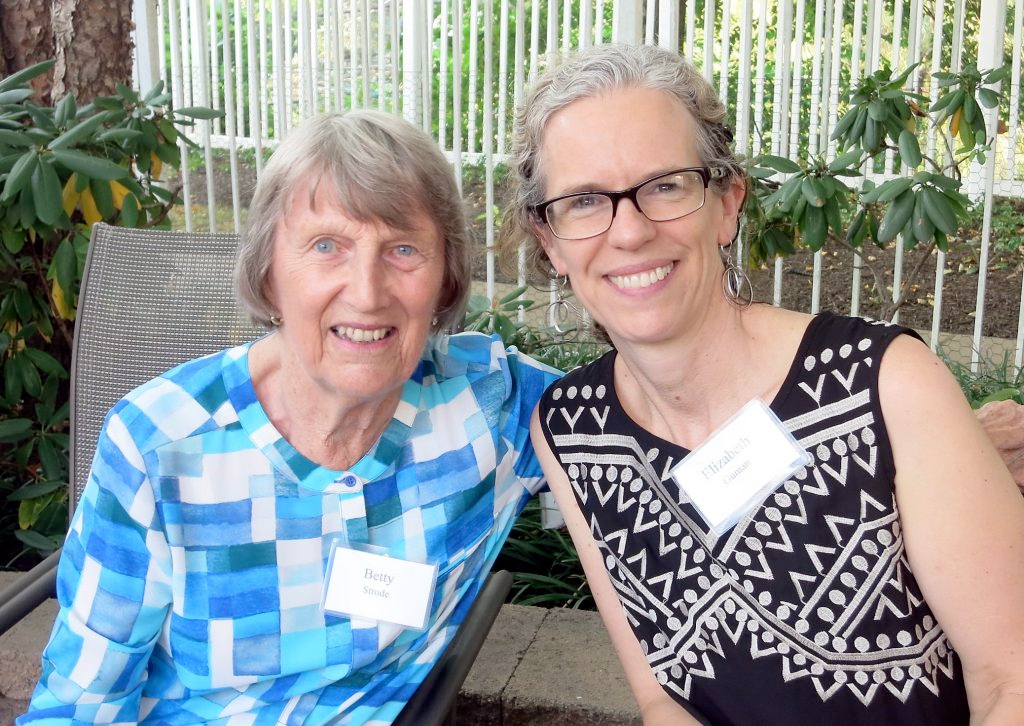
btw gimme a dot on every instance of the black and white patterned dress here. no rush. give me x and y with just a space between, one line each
806 612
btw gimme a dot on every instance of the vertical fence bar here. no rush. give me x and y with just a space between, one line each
177 98
227 51
990 55
474 76
724 51
488 142
856 63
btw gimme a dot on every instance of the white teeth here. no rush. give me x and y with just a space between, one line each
361 335
643 279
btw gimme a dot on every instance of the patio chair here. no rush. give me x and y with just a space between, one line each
148 301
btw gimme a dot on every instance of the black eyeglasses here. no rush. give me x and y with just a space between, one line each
661 199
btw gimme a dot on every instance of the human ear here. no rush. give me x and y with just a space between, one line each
732 206
549 243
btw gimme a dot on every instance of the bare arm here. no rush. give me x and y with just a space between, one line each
656 706
963 526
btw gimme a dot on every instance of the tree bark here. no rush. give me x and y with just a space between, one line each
91 40
93 47
25 37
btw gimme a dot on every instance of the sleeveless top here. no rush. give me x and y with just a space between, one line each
806 611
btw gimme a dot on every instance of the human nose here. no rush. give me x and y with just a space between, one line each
630 227
366 286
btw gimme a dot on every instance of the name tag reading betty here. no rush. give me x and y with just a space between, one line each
376 587
738 465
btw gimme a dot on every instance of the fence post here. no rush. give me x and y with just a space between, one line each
413 19
627 22
991 27
146 69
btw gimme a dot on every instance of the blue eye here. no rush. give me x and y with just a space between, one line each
323 245
405 250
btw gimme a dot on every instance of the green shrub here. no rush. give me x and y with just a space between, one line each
62 168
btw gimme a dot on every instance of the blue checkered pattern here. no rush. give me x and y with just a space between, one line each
191 580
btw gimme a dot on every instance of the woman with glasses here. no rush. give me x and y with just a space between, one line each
784 518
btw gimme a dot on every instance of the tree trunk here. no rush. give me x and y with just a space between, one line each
91 40
25 37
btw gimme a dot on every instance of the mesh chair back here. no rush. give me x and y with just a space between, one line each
149 300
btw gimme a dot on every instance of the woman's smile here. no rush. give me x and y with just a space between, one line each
643 279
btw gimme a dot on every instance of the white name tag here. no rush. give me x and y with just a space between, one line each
376 587
738 465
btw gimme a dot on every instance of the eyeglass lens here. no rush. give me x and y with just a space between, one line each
660 200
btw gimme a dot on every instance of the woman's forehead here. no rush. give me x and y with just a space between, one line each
616 138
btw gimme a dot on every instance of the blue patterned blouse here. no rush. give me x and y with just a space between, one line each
191 581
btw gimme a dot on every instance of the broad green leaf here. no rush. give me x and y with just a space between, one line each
845 161
153 93
988 97
15 95
46 193
13 430
199 112
118 135
910 149
65 265
779 163
20 175
89 166
25 74
103 195
32 538
77 133
45 362
65 110
896 217
15 138
130 211
30 379
513 294
36 490
14 239
877 110
50 458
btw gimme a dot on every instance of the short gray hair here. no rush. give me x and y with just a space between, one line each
382 167
590 73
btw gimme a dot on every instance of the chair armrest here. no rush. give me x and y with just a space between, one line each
433 704
28 592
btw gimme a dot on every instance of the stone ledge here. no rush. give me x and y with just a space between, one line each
537 667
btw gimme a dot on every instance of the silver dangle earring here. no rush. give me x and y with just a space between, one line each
735 282
563 315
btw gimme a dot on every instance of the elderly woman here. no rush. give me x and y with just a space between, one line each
784 518
291 531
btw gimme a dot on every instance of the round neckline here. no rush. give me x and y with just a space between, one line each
608 361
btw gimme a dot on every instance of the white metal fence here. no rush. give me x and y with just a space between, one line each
458 68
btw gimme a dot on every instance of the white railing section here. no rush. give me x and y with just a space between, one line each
459 68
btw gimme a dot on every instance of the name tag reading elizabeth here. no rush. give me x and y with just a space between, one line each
738 465
376 587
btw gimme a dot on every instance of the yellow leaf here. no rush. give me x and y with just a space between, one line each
118 191
89 210
70 196
60 302
11 328
156 164
954 122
